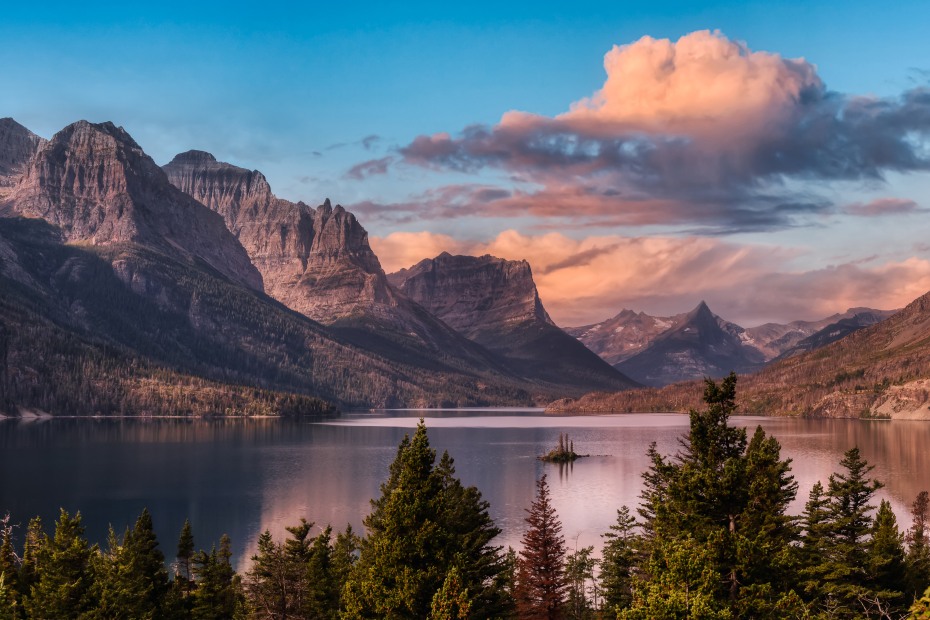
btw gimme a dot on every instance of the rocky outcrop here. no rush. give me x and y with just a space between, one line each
97 186
17 147
697 346
495 303
315 261
480 297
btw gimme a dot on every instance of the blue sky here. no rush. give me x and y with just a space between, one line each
295 91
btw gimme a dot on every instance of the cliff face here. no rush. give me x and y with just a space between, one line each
495 303
97 186
315 261
17 146
478 296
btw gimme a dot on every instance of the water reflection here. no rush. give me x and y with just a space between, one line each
243 476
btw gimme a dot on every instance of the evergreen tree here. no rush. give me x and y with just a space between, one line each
715 522
814 544
32 548
844 578
619 562
541 582
579 571
218 594
9 563
64 577
918 547
8 606
451 602
885 564
424 524
920 610
183 573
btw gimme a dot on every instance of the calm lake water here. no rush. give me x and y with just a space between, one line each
243 476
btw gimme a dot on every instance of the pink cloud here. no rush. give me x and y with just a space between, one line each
588 280
703 126
883 206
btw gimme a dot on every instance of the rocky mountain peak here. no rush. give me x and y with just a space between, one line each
17 146
97 185
475 295
315 261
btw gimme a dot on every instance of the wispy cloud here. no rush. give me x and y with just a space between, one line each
588 280
883 206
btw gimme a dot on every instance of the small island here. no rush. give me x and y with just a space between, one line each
563 453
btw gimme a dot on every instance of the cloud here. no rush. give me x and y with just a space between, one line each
719 135
588 280
883 206
369 168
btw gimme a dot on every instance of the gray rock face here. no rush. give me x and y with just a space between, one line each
97 186
315 261
495 303
17 147
477 296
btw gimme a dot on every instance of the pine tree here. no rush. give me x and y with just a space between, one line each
218 595
9 563
814 543
845 580
579 571
920 610
183 574
541 582
885 563
918 547
424 523
451 602
64 573
32 548
715 522
619 562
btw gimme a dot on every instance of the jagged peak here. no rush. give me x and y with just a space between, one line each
9 123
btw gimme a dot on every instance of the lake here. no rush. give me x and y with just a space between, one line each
243 476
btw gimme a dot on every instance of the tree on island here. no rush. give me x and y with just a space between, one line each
424 525
541 583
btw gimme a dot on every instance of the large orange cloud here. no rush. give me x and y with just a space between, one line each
701 85
588 280
716 134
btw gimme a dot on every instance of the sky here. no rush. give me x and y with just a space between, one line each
771 158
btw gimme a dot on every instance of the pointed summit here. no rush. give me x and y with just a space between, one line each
96 185
696 346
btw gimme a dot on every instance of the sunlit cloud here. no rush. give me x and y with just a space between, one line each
698 132
883 206
588 280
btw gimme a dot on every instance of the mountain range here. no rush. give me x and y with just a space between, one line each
657 351
198 274
880 371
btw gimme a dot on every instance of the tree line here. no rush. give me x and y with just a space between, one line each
710 539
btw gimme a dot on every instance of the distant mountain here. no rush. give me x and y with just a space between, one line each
629 333
878 371
624 335
494 302
116 284
842 327
695 346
